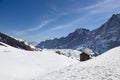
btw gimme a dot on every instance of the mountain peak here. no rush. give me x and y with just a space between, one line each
115 16
81 30
118 15
112 23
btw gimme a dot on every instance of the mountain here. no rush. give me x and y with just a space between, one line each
15 42
105 37
104 67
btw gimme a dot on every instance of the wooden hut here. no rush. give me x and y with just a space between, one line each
84 56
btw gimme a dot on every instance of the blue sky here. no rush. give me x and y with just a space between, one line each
38 20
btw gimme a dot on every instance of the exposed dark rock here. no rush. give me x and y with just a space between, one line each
13 42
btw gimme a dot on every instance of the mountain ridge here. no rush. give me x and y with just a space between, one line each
15 42
101 39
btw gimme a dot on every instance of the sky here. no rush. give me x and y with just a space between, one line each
39 20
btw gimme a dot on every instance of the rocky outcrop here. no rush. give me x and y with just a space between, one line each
15 43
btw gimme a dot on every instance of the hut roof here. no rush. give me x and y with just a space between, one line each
87 51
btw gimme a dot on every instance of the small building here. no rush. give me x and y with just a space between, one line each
86 54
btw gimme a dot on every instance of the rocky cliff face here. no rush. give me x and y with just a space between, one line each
102 39
14 42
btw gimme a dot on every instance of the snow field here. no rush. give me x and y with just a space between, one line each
17 64
103 67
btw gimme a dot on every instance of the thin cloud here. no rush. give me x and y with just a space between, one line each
59 11
43 24
38 27
104 6
68 25
59 27
100 7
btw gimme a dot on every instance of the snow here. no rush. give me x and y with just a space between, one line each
25 42
70 53
88 51
97 37
18 39
34 43
75 54
104 67
17 64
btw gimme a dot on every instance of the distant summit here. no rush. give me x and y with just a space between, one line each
105 37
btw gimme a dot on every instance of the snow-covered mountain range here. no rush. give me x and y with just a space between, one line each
105 37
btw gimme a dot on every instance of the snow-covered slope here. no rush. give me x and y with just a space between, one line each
17 64
17 43
103 67
69 53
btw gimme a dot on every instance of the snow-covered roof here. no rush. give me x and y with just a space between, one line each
88 51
